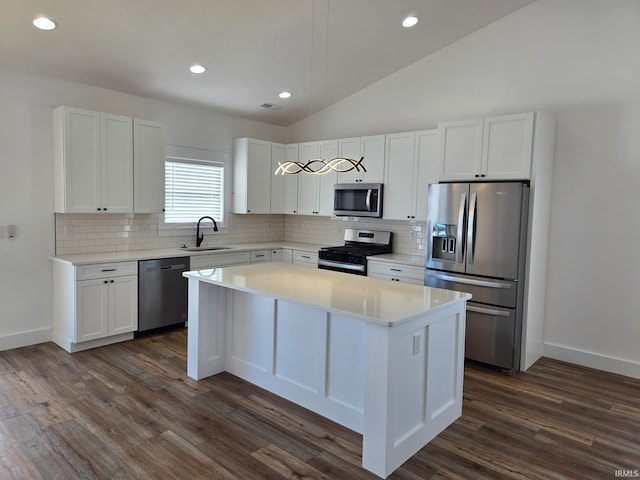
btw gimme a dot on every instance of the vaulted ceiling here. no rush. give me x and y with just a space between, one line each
320 50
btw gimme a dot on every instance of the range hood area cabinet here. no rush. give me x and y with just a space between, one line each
106 163
490 148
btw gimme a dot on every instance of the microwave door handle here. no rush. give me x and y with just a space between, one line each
368 200
460 239
471 228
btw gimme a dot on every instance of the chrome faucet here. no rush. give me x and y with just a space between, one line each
200 236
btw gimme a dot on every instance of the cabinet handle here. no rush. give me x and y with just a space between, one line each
99 209
105 281
395 269
109 269
482 175
305 256
105 209
258 256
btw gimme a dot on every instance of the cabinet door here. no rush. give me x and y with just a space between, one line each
77 160
277 181
373 151
350 148
123 304
148 166
92 309
116 163
426 168
259 177
291 182
460 150
399 195
308 184
507 145
328 151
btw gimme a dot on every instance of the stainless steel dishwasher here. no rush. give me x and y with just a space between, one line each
162 293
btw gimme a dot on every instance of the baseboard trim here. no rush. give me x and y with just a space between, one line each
592 360
24 339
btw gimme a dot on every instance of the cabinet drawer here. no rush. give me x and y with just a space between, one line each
394 278
102 270
396 270
302 256
219 260
258 256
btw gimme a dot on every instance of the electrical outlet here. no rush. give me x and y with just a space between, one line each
11 231
416 343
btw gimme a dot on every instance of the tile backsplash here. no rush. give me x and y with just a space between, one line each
93 233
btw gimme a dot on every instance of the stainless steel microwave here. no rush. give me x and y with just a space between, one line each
358 199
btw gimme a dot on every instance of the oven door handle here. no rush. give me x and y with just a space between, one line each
344 266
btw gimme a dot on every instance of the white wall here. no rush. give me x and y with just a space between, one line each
576 60
26 181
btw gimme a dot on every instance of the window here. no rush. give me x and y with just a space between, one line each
194 185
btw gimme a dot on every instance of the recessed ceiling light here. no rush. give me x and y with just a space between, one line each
197 68
44 23
285 94
410 21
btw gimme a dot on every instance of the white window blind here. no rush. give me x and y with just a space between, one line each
193 188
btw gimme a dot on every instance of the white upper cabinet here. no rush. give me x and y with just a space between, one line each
100 167
399 192
410 166
251 176
372 148
460 150
308 184
427 143
328 150
148 166
93 161
277 181
493 148
507 146
291 181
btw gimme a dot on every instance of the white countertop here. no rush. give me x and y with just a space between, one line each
150 254
369 299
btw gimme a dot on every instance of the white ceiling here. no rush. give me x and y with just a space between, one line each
253 49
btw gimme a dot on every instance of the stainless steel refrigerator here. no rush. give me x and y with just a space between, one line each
477 244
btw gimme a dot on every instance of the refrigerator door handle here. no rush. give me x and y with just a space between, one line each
487 311
471 228
468 281
460 239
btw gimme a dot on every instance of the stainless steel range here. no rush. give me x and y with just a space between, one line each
352 256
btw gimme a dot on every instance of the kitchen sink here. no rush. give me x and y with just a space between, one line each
202 249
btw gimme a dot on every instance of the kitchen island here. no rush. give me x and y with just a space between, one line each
382 358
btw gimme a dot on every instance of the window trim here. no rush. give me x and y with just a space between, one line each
198 156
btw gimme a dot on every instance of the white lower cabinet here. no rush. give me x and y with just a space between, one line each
287 256
106 307
259 256
94 304
396 272
305 258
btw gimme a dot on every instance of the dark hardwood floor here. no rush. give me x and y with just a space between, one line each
128 411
